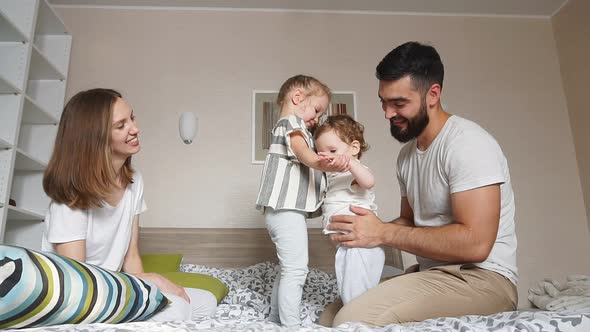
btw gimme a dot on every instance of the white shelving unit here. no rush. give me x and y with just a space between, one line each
34 59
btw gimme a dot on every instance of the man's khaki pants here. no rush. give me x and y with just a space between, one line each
444 291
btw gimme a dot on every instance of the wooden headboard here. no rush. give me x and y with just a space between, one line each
238 247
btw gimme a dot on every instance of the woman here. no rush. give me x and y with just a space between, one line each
96 196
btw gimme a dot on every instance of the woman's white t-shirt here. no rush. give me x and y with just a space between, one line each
107 229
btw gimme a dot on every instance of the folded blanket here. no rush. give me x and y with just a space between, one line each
572 295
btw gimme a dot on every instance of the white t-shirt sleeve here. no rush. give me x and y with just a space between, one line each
474 160
139 201
66 224
402 184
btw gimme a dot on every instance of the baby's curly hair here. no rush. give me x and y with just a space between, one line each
346 128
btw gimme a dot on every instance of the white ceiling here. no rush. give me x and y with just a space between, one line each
535 8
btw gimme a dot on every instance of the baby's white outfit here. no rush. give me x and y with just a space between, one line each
357 269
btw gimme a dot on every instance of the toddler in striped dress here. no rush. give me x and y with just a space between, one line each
292 188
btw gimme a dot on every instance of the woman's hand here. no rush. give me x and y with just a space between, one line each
165 285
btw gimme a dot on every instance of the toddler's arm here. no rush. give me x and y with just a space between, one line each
363 176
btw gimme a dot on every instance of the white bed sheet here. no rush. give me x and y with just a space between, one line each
247 305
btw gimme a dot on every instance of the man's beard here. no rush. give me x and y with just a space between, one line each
414 126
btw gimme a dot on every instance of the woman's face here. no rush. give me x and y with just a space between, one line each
124 131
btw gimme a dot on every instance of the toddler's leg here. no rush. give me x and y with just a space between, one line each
288 231
274 300
357 270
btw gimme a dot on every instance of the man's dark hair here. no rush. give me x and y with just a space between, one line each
420 62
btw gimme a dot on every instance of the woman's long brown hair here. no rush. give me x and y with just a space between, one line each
80 173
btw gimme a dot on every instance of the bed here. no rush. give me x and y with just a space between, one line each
244 260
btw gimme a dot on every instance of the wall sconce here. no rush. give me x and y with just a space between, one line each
187 127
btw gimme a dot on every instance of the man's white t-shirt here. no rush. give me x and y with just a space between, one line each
107 230
462 157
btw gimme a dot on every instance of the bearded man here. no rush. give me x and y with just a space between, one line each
457 207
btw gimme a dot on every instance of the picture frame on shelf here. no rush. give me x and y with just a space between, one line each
266 112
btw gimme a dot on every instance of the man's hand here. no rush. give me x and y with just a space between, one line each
363 230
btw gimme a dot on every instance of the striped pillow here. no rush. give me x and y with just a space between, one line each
41 289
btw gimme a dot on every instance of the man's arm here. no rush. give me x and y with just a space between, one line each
470 238
406 214
368 228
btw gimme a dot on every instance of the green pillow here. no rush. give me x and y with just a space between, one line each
160 263
200 281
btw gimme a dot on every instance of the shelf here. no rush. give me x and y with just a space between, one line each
17 19
43 69
6 87
15 213
48 23
49 95
25 162
37 141
4 144
35 49
35 114
56 49
10 105
9 31
24 233
13 65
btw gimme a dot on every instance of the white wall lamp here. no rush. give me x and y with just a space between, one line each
187 127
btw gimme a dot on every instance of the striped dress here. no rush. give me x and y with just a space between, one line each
286 183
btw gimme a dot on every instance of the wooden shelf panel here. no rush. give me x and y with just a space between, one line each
56 49
15 213
6 87
48 22
4 144
17 19
35 114
25 162
43 69
35 49
49 95
9 31
13 65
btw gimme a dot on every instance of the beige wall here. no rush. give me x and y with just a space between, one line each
501 72
572 30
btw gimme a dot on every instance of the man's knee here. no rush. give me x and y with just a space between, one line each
370 315
327 317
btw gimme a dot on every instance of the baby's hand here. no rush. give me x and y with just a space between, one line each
334 163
